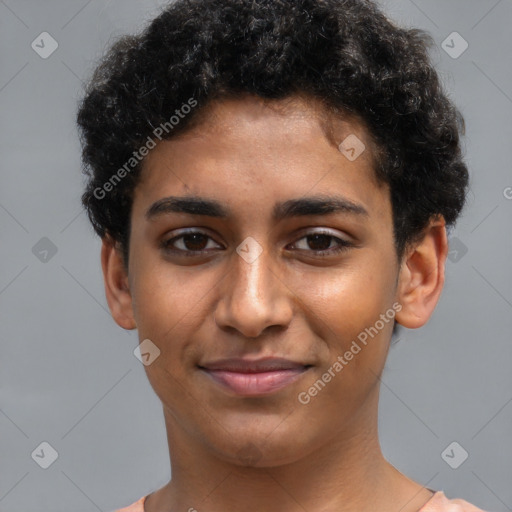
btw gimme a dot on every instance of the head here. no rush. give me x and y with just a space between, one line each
271 178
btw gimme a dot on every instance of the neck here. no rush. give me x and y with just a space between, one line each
347 473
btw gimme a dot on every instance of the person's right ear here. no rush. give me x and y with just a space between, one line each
117 289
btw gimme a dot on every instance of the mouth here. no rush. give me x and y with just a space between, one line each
254 378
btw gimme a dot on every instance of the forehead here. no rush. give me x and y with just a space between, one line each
247 148
303 113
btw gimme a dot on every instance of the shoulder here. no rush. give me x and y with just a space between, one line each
138 506
440 503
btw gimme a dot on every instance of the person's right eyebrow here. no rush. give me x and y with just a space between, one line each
191 205
301 207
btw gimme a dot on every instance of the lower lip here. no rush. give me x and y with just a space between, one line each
254 384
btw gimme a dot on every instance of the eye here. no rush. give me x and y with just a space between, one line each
193 243
320 243
189 243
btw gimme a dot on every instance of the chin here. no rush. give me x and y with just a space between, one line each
259 449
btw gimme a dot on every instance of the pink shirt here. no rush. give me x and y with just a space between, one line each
438 503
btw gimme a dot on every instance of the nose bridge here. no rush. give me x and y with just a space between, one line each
252 269
252 296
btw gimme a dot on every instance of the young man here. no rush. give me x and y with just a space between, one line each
272 181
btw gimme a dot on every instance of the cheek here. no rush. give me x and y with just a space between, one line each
167 308
348 300
347 307
168 312
168 298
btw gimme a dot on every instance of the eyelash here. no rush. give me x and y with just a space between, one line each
343 245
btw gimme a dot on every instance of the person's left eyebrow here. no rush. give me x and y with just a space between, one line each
305 206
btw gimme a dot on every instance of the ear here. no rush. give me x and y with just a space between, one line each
421 277
117 288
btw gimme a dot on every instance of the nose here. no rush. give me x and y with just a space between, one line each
253 297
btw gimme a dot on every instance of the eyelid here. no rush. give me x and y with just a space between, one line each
319 230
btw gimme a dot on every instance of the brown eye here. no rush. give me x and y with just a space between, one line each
188 243
195 241
321 244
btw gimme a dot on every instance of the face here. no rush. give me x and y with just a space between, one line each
254 236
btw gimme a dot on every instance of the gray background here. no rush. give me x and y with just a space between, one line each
68 375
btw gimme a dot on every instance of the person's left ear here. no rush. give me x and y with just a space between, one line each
421 277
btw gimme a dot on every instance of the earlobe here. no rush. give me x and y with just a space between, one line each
117 290
421 277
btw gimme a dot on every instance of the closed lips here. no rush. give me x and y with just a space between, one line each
255 366
245 378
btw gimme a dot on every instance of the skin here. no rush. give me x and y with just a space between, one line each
271 452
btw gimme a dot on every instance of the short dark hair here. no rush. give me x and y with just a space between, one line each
345 53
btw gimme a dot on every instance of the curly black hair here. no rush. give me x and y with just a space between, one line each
345 53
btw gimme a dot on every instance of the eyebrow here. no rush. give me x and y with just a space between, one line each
305 206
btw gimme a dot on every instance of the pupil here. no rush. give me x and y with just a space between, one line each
316 238
196 244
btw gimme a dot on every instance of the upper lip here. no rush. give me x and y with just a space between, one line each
267 364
